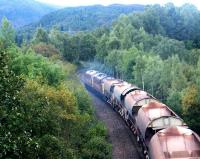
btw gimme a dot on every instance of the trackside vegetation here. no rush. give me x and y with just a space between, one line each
44 110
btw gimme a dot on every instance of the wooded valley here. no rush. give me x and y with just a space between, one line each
45 111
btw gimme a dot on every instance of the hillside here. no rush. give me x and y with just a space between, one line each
83 18
23 12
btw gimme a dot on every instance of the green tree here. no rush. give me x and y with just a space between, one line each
41 35
87 47
114 64
174 100
102 48
191 108
114 43
10 86
7 33
194 56
35 66
72 50
168 47
10 83
127 62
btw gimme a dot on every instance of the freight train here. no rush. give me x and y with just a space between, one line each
160 132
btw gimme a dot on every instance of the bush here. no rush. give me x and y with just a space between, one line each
32 66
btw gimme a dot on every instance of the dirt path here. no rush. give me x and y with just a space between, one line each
123 142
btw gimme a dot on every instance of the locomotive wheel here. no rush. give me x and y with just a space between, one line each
147 156
145 152
132 128
138 139
124 117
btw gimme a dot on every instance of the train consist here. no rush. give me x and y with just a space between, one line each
161 132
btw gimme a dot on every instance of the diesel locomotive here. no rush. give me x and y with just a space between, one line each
160 132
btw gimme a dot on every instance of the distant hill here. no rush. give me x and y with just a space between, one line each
84 18
23 12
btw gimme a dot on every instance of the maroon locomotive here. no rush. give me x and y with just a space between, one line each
160 131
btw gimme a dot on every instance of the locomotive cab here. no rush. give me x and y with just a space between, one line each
97 81
88 77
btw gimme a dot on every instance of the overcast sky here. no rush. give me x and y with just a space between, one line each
107 2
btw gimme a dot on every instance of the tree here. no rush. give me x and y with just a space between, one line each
127 62
128 36
172 77
7 33
47 50
114 43
57 38
102 48
168 47
41 36
87 47
35 66
10 86
10 83
114 64
174 100
191 107
151 20
71 47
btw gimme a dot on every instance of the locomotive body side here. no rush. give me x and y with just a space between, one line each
97 82
134 100
117 92
107 84
88 77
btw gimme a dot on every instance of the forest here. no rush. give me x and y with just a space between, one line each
45 111
83 18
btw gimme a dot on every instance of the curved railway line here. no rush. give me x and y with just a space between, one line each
124 144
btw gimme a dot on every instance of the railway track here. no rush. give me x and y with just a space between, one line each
124 144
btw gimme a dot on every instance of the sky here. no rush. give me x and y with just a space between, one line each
107 2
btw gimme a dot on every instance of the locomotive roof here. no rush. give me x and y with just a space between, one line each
122 85
175 142
91 72
137 95
175 131
100 75
110 78
156 116
155 110
109 82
